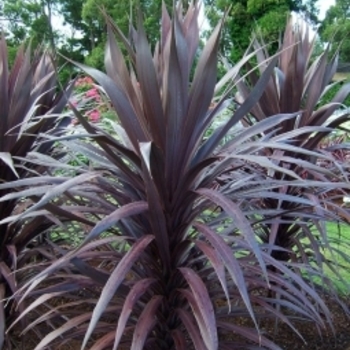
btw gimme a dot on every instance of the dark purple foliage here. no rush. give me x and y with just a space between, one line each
175 254
29 106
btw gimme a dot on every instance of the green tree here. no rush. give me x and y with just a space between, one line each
336 28
78 44
30 19
120 11
246 16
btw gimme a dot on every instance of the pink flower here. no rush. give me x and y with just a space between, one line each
92 93
84 82
78 82
94 116
88 81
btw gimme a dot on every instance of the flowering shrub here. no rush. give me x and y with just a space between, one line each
90 100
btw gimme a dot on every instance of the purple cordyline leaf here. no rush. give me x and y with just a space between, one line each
4 89
304 164
2 308
145 150
331 69
239 220
8 275
265 303
7 159
120 35
45 160
138 289
341 94
109 153
230 262
219 107
270 99
19 104
260 127
40 300
165 26
61 188
304 287
192 329
69 325
117 70
114 281
152 103
87 270
191 30
233 72
30 285
55 311
288 148
209 146
207 64
303 130
115 63
309 74
183 58
175 105
36 213
103 342
280 79
121 103
291 94
322 115
179 339
301 254
26 193
248 333
12 249
296 299
32 181
289 40
14 71
156 214
192 177
259 46
205 307
213 256
201 92
283 197
316 86
68 214
145 323
65 287
121 213
196 311
100 157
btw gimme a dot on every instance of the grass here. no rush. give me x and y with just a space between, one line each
339 234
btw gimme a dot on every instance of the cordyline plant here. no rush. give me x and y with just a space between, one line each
29 106
157 270
299 82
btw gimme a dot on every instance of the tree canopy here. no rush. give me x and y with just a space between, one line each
85 40
336 28
246 16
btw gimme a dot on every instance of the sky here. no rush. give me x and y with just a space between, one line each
324 5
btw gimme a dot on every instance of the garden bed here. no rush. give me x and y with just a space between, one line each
286 338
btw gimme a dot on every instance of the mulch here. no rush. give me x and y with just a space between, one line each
285 337
288 340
